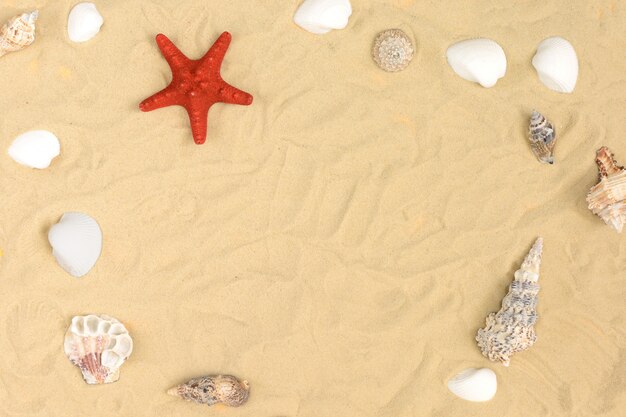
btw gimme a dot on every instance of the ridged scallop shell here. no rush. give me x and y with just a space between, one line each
76 243
479 60
18 32
322 16
511 329
557 64
474 384
98 345
213 389
35 149
542 138
607 199
393 50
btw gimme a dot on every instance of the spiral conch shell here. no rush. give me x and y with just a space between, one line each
607 199
511 329
542 138
213 389
98 345
18 33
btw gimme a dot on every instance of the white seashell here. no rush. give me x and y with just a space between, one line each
84 22
321 16
474 384
76 243
98 345
18 33
35 149
557 64
479 60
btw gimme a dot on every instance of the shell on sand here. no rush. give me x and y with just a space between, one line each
542 138
511 329
98 345
18 32
213 389
393 50
607 199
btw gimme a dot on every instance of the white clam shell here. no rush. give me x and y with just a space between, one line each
557 64
479 60
84 22
474 384
98 345
35 149
322 16
76 243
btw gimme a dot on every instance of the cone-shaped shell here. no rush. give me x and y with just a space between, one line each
542 138
213 389
18 32
607 199
393 50
511 329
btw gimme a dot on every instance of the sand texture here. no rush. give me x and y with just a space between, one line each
339 242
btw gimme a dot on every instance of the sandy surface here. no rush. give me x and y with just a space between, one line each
339 242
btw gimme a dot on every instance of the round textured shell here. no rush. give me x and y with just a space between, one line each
393 50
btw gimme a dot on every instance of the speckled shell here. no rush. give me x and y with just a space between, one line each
213 389
542 138
607 199
511 329
393 50
18 32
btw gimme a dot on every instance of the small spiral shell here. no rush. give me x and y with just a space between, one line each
213 389
18 32
542 138
393 50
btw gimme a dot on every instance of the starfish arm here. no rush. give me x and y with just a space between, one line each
212 60
233 95
198 111
174 57
166 97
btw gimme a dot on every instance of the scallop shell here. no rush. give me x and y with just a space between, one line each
35 149
322 16
557 64
511 329
542 138
213 389
98 345
393 50
479 60
18 32
607 199
84 22
76 243
474 384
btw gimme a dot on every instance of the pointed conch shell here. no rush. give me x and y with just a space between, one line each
474 384
18 32
98 345
213 389
393 50
511 329
607 199
542 138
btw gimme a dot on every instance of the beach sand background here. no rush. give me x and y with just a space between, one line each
339 242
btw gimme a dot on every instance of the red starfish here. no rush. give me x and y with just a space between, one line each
196 85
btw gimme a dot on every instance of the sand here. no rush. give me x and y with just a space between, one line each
339 242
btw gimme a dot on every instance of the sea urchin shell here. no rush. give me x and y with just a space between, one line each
393 50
